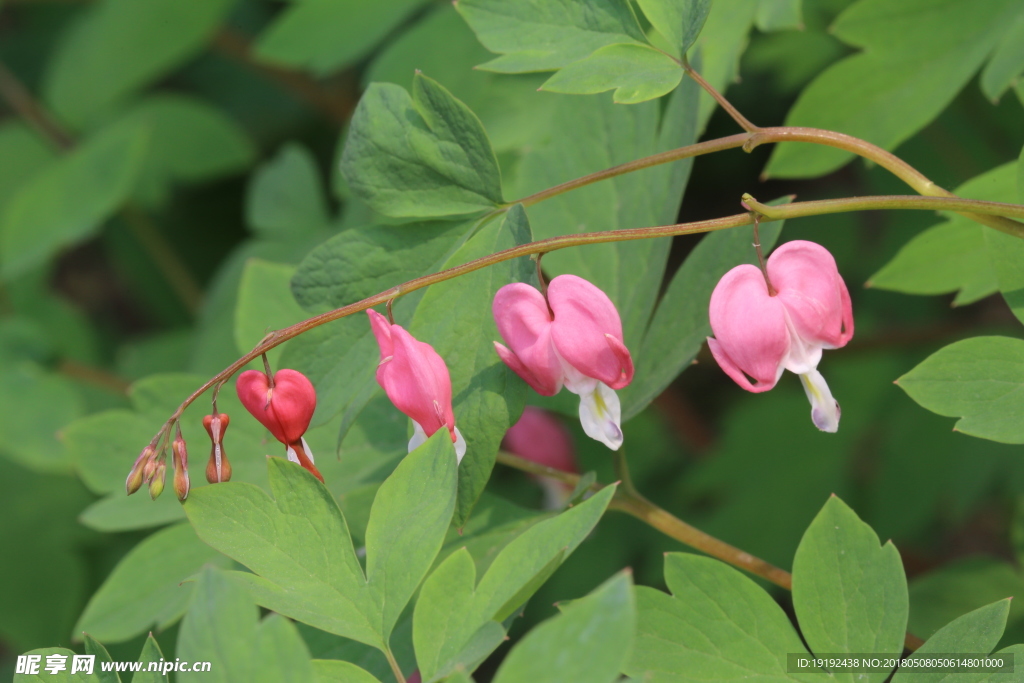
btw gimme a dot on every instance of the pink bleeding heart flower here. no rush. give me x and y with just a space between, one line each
285 409
758 334
572 339
416 380
540 437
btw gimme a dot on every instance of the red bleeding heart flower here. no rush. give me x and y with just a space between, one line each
284 407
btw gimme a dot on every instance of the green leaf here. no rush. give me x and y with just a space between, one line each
265 303
949 257
953 256
68 201
96 649
717 624
917 56
219 628
849 591
420 156
282 653
455 318
590 641
511 109
777 15
536 35
119 46
34 406
150 653
1006 253
222 627
63 656
680 324
286 196
977 380
637 73
1007 62
955 588
148 587
337 671
24 154
678 20
594 134
325 35
454 611
189 141
976 632
298 575
360 262
408 522
340 358
48 569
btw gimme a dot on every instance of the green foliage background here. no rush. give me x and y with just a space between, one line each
195 191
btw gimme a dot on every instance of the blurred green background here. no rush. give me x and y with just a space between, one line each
215 143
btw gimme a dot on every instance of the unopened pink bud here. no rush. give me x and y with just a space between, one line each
416 379
137 475
181 480
218 469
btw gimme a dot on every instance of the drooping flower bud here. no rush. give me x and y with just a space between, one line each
218 469
285 407
156 485
137 475
181 481
539 437
758 335
416 380
150 469
572 339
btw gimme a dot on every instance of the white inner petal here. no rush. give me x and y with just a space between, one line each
419 437
460 446
824 409
600 415
305 448
803 356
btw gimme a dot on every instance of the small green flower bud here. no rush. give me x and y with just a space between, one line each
156 486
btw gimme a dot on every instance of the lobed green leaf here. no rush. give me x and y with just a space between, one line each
849 591
978 380
537 35
419 156
637 73
590 641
